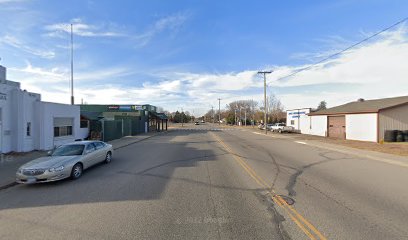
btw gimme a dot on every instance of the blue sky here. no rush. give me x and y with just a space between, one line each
186 54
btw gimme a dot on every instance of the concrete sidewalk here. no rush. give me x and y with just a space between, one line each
9 163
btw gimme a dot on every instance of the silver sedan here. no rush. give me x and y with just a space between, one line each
68 160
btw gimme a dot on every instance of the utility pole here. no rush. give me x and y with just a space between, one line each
240 118
72 66
245 115
219 111
235 115
253 113
245 118
212 111
182 117
264 75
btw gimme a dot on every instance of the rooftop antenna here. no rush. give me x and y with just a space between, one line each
72 67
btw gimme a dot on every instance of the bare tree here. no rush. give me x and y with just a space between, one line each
274 109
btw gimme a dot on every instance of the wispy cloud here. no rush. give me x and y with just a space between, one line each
172 23
31 74
373 70
81 28
18 44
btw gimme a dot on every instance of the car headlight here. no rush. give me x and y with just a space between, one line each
56 169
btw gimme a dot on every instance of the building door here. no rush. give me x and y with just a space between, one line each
337 127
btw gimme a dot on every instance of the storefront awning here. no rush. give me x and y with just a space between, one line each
160 116
91 115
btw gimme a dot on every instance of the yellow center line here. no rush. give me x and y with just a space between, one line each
296 217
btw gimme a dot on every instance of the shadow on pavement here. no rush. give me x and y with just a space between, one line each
137 172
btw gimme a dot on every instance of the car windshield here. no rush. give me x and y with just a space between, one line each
69 150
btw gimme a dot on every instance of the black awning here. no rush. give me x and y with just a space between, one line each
91 115
160 116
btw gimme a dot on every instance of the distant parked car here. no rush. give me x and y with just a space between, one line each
68 160
281 127
261 126
269 127
202 121
196 123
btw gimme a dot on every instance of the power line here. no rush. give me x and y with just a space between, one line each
344 50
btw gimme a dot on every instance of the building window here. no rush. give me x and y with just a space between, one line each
63 127
292 122
84 123
62 131
28 129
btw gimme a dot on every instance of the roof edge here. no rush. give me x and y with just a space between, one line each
340 113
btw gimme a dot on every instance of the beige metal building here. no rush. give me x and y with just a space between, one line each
364 120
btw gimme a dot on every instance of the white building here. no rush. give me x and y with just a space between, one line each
294 117
363 120
27 123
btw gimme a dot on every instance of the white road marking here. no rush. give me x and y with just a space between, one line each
301 142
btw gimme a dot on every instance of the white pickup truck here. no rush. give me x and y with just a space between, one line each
281 127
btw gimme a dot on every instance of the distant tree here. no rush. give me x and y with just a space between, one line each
322 106
274 108
230 118
177 117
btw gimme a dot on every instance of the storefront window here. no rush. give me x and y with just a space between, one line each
62 131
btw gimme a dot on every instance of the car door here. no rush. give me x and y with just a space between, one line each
90 155
100 151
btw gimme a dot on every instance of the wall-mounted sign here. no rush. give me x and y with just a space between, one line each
125 108
296 114
114 107
137 107
3 96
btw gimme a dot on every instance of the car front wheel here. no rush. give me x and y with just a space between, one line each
76 172
108 157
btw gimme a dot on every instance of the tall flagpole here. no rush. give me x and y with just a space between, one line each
72 67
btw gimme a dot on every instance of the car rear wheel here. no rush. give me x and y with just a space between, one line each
108 157
76 172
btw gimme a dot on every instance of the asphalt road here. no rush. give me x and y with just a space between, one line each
207 183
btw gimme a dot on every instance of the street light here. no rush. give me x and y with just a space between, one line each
266 112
